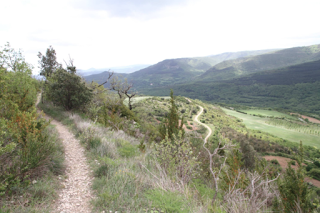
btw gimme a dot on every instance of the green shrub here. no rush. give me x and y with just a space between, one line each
314 173
176 158
292 162
101 171
94 142
274 161
317 163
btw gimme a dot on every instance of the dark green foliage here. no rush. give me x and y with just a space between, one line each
68 90
294 191
292 162
317 163
171 125
314 173
24 139
102 171
274 161
248 154
48 64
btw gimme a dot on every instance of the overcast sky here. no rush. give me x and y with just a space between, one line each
109 33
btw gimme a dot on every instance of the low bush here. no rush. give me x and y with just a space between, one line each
274 161
314 173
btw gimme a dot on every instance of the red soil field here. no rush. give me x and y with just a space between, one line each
313 120
284 164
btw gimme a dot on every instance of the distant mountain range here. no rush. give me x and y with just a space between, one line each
287 78
122 69
174 71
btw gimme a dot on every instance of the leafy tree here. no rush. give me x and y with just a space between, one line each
11 59
68 90
48 64
23 141
248 156
171 125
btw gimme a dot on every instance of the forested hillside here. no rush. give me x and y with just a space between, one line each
295 88
282 58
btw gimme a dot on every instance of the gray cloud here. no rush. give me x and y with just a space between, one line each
130 8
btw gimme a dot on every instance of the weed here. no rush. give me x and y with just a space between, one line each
171 202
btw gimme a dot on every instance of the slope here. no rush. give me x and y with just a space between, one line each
174 71
296 88
239 67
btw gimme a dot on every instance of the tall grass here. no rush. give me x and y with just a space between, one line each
127 180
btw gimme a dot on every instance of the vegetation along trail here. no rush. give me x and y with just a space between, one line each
76 193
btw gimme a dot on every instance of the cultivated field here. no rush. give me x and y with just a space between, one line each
257 123
267 113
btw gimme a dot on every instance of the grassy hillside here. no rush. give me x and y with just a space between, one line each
239 67
295 88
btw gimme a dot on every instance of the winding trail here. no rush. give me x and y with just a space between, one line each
76 193
197 120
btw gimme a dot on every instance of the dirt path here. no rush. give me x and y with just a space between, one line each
76 194
197 120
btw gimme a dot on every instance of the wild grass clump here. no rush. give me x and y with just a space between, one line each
126 179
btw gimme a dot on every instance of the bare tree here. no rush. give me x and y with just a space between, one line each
259 192
110 75
215 172
70 67
126 89
117 86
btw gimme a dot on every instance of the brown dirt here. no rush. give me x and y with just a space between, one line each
185 127
193 126
313 120
282 161
76 193
284 164
157 120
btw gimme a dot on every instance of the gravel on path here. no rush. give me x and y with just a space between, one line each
76 193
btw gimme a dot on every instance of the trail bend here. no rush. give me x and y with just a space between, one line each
197 120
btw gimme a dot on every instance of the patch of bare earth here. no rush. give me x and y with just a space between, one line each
185 127
284 164
76 193
313 120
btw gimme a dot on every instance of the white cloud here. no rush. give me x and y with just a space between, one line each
102 37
